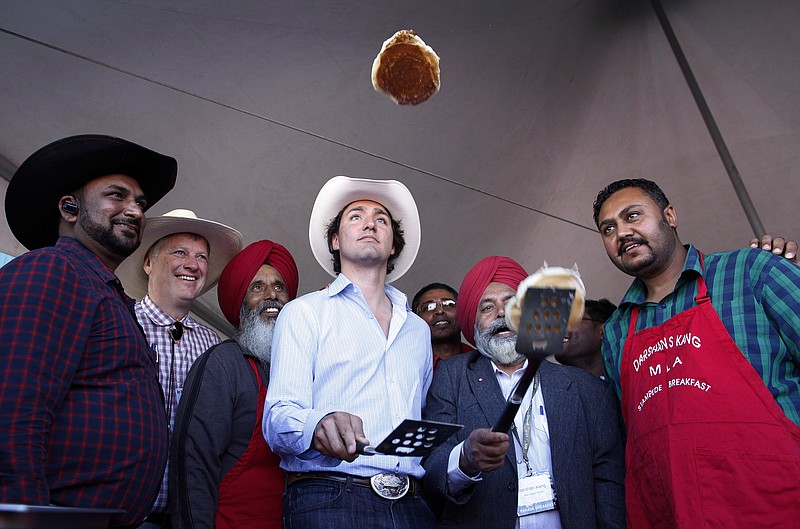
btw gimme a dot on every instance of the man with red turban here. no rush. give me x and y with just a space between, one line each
567 465
224 473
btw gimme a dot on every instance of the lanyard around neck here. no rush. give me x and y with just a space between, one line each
525 444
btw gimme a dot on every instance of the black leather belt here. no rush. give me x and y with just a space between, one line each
387 485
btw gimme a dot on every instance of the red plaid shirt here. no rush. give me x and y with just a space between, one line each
81 412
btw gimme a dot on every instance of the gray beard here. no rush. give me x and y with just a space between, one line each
255 334
501 351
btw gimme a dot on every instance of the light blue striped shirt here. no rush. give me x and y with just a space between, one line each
329 354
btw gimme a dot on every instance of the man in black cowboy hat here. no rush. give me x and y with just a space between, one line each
80 405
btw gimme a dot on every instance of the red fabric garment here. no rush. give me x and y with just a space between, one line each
489 269
240 270
251 493
708 446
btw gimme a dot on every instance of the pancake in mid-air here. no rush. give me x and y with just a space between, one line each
406 69
548 276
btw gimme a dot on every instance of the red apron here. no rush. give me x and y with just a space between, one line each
251 493
708 446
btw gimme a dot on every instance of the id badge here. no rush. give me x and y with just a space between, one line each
536 494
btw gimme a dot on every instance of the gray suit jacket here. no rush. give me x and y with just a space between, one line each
586 445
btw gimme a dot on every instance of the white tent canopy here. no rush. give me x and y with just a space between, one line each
542 104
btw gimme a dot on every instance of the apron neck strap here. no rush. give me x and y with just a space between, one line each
702 289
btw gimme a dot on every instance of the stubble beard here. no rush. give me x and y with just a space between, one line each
661 247
452 336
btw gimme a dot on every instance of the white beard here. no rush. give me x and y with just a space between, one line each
255 334
501 351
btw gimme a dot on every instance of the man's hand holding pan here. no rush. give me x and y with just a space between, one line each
336 435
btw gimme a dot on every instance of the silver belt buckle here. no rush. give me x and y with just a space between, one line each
390 486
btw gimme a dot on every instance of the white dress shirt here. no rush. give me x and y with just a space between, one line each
329 353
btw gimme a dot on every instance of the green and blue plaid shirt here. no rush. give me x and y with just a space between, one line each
757 297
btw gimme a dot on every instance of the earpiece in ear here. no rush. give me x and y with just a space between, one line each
70 207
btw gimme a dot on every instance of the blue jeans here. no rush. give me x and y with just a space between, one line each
321 504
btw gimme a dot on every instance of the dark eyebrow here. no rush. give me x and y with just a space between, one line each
126 190
356 208
433 300
375 210
622 213
625 211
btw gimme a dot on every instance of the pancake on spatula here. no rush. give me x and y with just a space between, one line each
552 277
406 69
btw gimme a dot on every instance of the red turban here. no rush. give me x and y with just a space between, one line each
243 267
490 269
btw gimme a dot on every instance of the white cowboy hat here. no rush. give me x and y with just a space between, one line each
223 242
340 191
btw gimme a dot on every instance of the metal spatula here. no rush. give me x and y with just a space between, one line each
542 327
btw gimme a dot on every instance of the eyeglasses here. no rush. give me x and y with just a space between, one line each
446 304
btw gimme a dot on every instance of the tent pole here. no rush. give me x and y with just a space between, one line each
719 142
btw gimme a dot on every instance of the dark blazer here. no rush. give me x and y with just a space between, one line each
586 445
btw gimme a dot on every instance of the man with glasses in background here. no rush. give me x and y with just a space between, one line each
436 304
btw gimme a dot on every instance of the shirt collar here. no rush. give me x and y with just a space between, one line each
339 284
342 283
637 293
73 246
519 371
161 318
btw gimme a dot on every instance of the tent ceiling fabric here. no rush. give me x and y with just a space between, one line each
542 103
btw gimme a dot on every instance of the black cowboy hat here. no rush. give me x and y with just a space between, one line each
64 166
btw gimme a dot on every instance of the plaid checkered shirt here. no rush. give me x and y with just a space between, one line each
81 413
757 297
196 340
